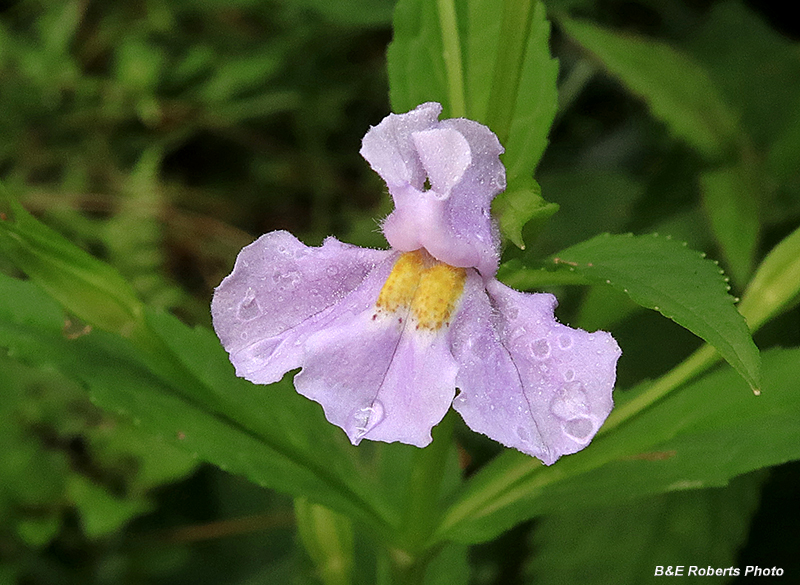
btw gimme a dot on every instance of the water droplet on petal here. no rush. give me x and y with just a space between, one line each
332 271
249 308
516 334
580 429
523 434
569 375
570 401
565 341
540 349
368 418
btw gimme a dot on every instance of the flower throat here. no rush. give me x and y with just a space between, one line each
427 288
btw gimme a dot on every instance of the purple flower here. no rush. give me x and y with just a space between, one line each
384 337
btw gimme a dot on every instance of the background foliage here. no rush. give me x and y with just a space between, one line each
151 140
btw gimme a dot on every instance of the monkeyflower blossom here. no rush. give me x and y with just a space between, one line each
385 337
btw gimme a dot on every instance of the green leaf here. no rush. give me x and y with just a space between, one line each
38 531
776 284
671 529
521 103
157 462
241 75
704 435
269 434
661 274
731 200
534 97
678 90
101 512
31 474
514 208
734 43
91 289
415 62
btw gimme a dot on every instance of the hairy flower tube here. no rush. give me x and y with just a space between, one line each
385 337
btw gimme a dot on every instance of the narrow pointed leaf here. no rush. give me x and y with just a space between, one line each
417 71
678 90
91 289
663 275
731 200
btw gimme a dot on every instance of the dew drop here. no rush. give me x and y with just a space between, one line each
565 342
293 277
540 349
332 271
249 308
569 375
367 418
517 333
570 401
580 429
523 434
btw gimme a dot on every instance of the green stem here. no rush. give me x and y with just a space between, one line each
451 44
693 366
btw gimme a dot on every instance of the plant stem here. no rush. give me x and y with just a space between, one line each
694 365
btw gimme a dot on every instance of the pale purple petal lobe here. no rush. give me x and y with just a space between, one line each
379 380
389 150
445 154
278 291
526 380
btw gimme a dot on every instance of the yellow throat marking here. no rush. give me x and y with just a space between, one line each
428 289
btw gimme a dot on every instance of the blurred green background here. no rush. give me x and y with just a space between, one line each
162 136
